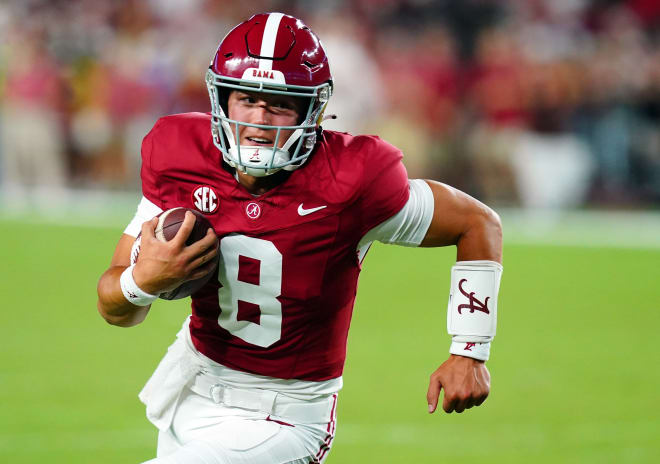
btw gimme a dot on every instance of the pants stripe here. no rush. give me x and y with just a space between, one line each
325 447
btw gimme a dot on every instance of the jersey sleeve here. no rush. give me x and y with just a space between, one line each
148 174
408 227
146 210
385 184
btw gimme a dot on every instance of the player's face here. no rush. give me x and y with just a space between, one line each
258 108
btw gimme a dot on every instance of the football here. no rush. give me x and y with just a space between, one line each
169 223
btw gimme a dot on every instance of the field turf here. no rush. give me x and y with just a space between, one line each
575 365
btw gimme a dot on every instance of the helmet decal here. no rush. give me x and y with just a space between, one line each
268 41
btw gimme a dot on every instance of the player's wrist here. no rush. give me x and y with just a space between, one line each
155 282
474 350
132 291
141 279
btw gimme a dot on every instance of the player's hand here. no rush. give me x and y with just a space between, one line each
466 382
163 266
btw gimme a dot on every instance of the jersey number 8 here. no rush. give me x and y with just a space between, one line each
264 294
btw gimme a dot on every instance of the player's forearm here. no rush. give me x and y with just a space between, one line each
112 305
482 240
461 220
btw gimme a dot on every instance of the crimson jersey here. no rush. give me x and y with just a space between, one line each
281 300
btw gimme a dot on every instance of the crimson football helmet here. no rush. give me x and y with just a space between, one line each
276 54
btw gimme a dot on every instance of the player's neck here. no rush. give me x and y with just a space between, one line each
261 185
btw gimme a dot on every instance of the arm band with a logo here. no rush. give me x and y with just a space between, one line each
472 308
132 292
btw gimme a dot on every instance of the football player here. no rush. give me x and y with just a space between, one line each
254 374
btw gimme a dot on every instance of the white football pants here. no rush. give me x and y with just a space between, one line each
205 432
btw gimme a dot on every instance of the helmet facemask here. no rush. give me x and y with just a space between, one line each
261 161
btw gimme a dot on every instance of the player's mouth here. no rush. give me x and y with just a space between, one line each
258 141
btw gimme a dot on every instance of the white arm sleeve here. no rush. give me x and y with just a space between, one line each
407 227
145 211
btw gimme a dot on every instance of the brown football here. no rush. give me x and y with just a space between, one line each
169 223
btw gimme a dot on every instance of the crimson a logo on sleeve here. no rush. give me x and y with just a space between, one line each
205 199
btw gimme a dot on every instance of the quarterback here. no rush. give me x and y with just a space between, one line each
254 373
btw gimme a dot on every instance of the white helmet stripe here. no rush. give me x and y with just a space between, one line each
268 41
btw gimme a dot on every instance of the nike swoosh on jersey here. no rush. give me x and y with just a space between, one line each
304 212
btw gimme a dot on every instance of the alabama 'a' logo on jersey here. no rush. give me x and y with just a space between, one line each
205 199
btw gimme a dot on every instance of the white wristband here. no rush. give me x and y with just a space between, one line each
472 308
132 292
474 350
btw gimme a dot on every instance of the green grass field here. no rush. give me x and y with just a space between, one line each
575 365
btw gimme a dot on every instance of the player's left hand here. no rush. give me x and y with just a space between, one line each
466 382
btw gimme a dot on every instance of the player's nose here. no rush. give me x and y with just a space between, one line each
260 114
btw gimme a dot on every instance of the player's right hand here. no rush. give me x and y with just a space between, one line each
466 383
163 266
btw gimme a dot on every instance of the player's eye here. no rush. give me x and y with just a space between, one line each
283 107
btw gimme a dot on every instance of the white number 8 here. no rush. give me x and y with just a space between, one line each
269 329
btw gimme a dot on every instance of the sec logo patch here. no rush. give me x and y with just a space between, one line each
205 199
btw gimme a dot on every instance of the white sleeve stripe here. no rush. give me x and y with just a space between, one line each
145 211
409 226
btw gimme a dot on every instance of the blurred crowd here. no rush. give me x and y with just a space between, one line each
531 103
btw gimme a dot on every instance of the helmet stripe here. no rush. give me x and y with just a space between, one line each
268 41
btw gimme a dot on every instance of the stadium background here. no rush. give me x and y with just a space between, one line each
547 110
